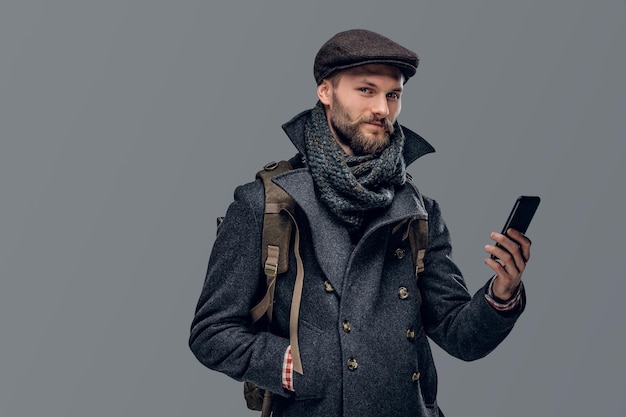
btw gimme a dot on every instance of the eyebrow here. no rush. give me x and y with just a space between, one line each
371 84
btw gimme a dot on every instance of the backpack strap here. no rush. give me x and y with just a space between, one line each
418 237
278 224
277 227
417 233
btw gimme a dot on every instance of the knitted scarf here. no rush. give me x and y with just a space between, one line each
352 187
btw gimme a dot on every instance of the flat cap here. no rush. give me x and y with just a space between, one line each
355 47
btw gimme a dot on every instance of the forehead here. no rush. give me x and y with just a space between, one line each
374 70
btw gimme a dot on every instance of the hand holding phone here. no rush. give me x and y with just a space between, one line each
521 214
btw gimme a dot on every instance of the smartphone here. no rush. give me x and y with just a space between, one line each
521 214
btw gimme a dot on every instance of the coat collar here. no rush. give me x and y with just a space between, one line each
414 145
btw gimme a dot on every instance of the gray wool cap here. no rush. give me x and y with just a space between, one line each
355 47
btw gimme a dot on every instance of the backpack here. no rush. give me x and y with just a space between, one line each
279 224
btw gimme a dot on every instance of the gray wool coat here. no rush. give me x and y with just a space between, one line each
364 348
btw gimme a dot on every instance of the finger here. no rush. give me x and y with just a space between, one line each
499 270
523 241
509 276
519 235
515 256
504 258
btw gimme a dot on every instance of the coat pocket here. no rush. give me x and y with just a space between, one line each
314 380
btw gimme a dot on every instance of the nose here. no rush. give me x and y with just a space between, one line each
380 107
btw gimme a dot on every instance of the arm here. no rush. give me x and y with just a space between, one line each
465 326
220 335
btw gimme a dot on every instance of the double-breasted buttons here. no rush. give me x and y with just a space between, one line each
328 287
415 377
399 253
352 364
410 334
346 326
403 293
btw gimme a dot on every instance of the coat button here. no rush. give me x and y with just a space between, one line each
403 293
328 287
399 253
410 334
346 326
415 377
352 364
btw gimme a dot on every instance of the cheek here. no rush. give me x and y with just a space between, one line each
394 110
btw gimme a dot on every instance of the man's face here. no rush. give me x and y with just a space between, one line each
362 104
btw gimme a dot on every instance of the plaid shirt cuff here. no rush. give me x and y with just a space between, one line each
287 378
503 305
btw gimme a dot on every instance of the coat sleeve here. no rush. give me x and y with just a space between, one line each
465 326
220 337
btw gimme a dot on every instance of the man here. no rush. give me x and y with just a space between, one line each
362 347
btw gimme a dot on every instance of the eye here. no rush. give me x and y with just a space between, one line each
364 90
393 95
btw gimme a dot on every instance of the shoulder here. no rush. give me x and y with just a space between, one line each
250 196
252 193
429 204
436 222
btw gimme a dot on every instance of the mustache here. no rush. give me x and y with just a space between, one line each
386 123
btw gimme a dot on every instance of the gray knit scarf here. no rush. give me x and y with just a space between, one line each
352 187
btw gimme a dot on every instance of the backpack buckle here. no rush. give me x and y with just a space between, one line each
271 263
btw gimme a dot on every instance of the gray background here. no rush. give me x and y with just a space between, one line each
121 123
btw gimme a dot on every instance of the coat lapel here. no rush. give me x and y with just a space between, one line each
331 241
405 204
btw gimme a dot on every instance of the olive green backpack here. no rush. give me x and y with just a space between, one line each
279 224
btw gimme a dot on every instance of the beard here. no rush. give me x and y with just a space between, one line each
348 132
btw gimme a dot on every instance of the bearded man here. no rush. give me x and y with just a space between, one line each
364 322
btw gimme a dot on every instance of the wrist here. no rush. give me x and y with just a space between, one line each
504 302
503 293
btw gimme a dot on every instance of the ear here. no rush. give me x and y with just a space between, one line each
325 92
